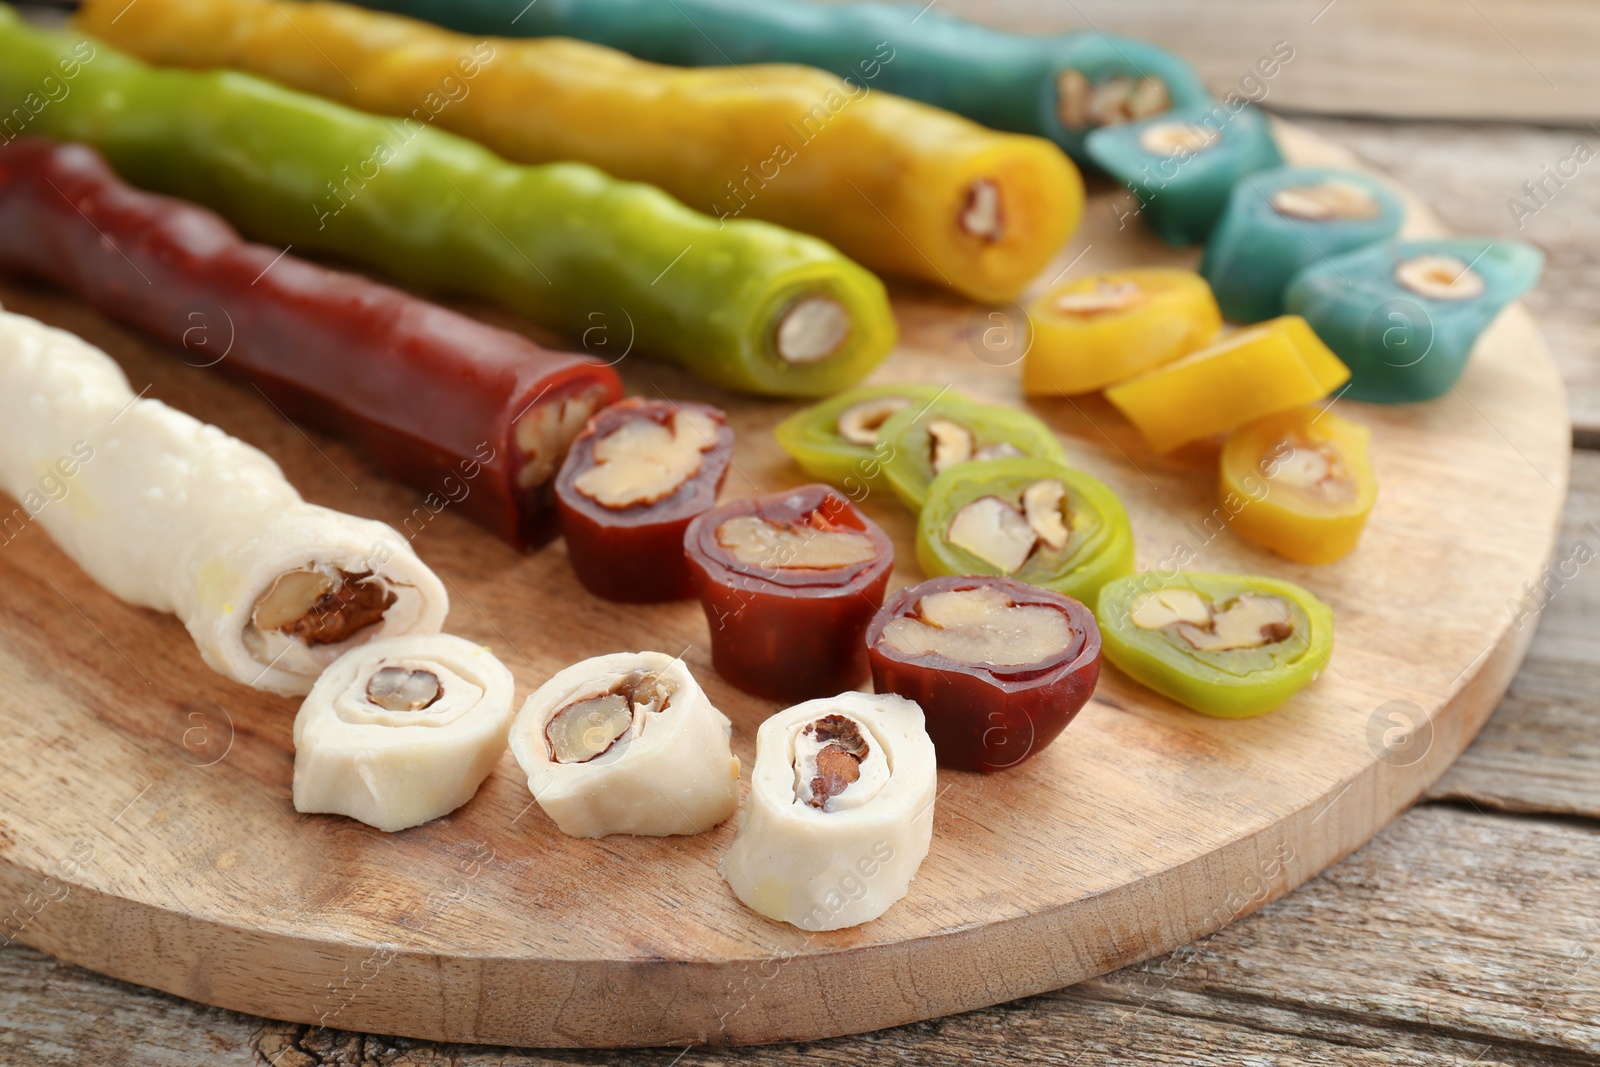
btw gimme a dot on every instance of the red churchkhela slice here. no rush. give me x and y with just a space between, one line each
985 715
436 399
632 481
789 583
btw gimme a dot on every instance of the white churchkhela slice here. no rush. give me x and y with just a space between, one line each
401 730
169 513
840 813
627 744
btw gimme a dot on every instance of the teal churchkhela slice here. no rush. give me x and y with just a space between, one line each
1279 222
1404 316
1183 165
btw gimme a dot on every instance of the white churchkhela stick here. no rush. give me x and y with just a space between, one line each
627 744
401 730
840 813
169 513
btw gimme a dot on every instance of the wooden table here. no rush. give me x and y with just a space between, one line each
1465 933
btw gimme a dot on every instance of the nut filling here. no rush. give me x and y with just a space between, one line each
1174 138
1104 297
760 542
642 461
1440 277
402 689
1082 104
1005 536
834 766
981 626
1317 470
981 214
322 607
1247 621
1325 201
545 432
812 330
587 729
950 443
859 424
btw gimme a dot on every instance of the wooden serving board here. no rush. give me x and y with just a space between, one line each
146 829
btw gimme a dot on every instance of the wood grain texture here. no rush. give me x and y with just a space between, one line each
1406 953
1499 59
1144 828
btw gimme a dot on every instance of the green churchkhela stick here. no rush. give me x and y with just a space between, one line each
1059 86
743 304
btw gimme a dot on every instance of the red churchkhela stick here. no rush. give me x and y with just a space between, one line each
783 627
478 418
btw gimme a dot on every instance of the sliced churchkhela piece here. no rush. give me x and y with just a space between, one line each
840 812
627 744
925 440
1101 329
1034 520
401 730
169 513
999 668
744 304
476 418
1240 377
789 583
631 483
1229 645
1058 86
838 441
1405 315
1280 221
1183 165
1300 483
896 185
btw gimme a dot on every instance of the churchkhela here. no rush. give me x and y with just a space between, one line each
168 513
838 441
789 583
632 481
896 185
476 418
627 744
1034 520
840 813
401 730
999 668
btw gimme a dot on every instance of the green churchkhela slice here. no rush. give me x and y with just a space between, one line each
919 443
1404 315
1281 221
745 305
1229 645
837 441
1035 520
1059 86
1183 165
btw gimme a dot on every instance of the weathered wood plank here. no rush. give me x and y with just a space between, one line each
1473 176
1541 750
1499 59
1453 938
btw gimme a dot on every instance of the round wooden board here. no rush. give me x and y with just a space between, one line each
147 832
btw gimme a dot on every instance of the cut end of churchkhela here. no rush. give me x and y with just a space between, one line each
401 731
840 814
1000 668
627 744
812 330
546 431
982 215
1085 105
788 583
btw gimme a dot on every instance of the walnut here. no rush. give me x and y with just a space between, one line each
401 689
981 214
1327 200
588 728
1440 277
642 461
758 542
1247 621
859 424
981 626
812 330
322 606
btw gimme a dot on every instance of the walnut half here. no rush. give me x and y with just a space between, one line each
1247 621
981 626
642 461
588 728
322 606
834 764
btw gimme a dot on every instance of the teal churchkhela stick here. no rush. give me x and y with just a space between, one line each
1008 81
